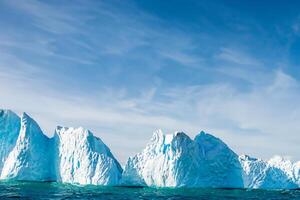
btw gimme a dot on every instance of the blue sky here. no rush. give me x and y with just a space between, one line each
126 68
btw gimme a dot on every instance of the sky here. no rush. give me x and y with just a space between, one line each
124 69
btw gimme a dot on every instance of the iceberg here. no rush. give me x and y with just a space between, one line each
30 158
9 131
76 156
276 173
175 160
71 156
82 158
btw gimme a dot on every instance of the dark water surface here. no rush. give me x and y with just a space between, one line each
29 190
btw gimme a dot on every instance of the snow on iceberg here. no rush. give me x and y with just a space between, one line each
83 158
29 159
177 161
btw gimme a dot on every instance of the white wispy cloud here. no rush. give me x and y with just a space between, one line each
47 17
237 57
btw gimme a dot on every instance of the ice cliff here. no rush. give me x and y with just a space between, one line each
29 159
9 131
82 158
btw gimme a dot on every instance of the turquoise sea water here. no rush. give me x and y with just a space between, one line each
29 190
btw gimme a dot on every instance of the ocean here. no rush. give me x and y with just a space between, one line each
33 190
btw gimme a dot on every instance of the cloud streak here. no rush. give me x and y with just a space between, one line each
230 55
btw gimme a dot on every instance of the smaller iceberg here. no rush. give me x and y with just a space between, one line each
9 131
30 159
277 173
81 158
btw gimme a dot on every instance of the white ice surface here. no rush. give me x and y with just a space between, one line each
83 158
177 161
